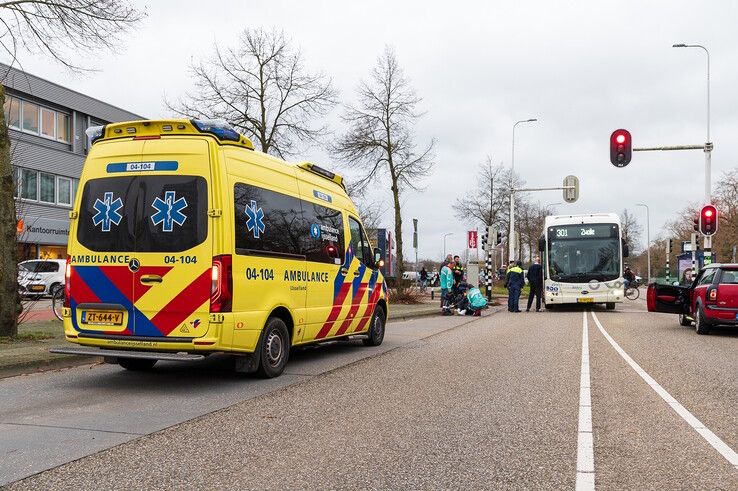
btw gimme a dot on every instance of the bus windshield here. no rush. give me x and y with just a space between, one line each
584 253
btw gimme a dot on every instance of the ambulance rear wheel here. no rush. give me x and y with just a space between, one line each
137 364
375 336
275 348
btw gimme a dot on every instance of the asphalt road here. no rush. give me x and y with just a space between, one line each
624 400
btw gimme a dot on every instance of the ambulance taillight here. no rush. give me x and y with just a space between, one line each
221 284
67 283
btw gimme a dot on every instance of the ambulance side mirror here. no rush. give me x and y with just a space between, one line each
378 259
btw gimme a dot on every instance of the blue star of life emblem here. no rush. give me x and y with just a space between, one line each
169 211
255 222
107 212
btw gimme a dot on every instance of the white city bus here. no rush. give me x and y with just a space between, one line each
582 258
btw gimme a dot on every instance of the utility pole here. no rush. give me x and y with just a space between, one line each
648 238
708 150
511 236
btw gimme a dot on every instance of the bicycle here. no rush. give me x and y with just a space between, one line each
632 292
57 302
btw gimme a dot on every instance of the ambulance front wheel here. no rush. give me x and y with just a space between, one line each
275 348
376 329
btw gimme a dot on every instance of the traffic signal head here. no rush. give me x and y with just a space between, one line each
708 220
621 148
696 224
499 238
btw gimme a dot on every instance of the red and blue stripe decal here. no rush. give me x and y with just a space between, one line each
115 284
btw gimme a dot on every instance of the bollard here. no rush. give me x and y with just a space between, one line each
433 294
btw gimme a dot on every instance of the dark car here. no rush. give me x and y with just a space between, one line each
711 299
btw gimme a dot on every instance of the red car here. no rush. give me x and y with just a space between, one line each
711 299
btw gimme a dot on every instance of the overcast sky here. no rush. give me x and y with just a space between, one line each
582 68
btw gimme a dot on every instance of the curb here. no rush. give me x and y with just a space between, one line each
38 366
70 361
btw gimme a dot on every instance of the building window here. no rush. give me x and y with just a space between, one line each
33 118
63 191
75 182
30 117
12 112
62 127
29 184
48 123
47 187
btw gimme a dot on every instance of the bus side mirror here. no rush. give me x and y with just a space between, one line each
378 260
542 244
626 252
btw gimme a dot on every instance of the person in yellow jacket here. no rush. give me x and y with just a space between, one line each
514 281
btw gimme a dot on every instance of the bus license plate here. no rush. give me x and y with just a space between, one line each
102 318
585 300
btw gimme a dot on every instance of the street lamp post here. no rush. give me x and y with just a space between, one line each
551 204
444 243
648 238
708 143
512 246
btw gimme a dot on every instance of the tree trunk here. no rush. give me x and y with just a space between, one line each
9 300
400 269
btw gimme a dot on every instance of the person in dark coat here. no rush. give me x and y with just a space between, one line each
514 281
535 282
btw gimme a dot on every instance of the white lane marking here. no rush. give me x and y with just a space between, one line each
585 444
730 455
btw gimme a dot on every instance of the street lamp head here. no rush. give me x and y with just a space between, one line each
678 45
532 119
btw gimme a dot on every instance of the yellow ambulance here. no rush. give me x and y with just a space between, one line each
185 241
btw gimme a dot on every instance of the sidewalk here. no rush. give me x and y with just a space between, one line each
37 334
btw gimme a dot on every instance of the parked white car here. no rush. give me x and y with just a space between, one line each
38 277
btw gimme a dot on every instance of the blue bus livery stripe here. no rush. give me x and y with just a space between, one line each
162 165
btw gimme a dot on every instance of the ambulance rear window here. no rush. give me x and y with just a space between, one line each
143 213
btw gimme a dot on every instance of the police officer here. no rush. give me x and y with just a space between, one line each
514 281
458 271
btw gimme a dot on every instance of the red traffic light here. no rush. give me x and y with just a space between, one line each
708 220
620 148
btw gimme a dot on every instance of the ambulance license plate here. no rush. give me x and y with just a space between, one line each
585 300
102 318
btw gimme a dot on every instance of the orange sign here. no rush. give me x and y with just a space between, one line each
19 227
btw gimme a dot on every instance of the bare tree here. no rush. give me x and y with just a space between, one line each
380 140
50 27
262 88
55 27
631 229
495 181
370 211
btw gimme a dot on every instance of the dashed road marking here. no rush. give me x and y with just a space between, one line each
718 444
585 443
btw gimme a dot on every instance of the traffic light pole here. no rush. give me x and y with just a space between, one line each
707 148
511 238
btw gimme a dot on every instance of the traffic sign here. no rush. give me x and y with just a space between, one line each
471 241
